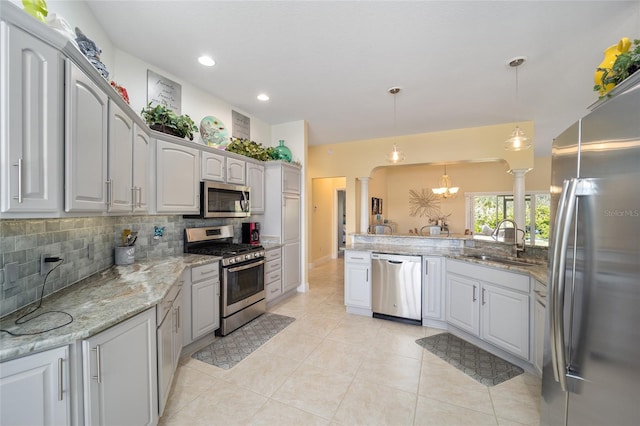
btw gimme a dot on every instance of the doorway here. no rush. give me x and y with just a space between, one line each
340 221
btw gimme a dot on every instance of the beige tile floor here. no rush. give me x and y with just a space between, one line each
333 368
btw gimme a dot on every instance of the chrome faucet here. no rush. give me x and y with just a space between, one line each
519 248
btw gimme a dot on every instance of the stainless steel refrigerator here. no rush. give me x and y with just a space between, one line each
591 367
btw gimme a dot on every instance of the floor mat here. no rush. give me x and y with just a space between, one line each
477 363
229 350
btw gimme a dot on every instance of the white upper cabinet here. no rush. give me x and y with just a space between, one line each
213 166
120 160
255 180
141 169
31 116
86 120
291 179
236 171
177 178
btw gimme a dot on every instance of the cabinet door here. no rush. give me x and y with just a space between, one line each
120 160
432 294
120 373
86 112
177 179
462 308
34 390
357 285
31 139
290 218
255 180
205 307
291 259
165 360
505 319
212 167
177 330
291 180
141 169
539 325
236 171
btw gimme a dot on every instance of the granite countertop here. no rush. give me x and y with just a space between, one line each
536 270
96 303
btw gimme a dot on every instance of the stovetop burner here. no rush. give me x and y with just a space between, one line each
218 241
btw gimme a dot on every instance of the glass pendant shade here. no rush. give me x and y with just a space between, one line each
445 190
518 141
396 156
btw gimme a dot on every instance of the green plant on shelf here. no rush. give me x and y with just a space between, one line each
251 149
164 120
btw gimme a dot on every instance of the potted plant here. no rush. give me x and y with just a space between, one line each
625 65
164 120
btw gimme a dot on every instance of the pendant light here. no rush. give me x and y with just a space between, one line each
445 190
518 140
395 156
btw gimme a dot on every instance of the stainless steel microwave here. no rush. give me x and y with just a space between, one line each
224 200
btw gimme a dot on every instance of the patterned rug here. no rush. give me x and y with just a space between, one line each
227 351
477 363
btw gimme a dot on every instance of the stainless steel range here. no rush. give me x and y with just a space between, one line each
242 274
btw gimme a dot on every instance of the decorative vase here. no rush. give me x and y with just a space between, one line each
36 8
610 56
283 152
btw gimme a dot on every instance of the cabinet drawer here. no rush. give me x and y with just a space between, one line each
273 254
357 257
273 290
273 277
505 279
272 266
204 272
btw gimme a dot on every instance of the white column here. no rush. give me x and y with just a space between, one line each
518 200
364 205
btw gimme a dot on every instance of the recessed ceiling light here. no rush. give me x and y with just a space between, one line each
263 97
206 61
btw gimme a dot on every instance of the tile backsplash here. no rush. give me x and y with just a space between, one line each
24 241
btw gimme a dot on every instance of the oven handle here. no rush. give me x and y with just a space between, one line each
247 266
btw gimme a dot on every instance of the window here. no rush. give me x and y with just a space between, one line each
485 210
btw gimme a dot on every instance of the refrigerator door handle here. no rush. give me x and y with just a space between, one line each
564 215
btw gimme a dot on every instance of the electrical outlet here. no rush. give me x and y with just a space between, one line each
45 267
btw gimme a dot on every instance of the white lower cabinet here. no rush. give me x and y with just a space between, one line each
34 389
120 373
432 293
539 323
201 301
357 281
273 274
491 304
169 347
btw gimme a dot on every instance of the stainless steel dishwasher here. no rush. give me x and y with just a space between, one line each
396 287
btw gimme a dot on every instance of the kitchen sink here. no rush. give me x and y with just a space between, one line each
503 260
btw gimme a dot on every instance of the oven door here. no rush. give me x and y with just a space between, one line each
242 285
224 200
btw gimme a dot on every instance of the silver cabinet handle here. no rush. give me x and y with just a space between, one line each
474 294
134 193
275 290
483 291
60 379
178 319
98 375
19 166
109 193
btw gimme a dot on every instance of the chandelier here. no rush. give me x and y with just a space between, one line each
445 190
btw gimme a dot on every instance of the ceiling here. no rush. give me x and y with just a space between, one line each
331 63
